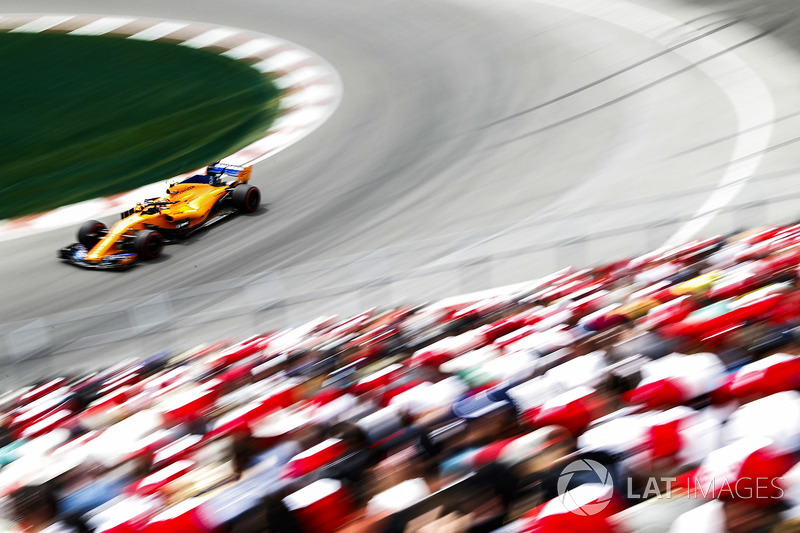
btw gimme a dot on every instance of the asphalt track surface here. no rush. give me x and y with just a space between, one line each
457 116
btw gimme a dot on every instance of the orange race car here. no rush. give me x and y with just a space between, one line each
193 203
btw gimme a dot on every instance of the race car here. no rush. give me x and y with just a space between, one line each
193 203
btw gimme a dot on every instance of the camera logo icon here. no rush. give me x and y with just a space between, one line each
586 469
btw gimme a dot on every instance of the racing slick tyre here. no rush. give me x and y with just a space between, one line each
91 232
246 198
148 244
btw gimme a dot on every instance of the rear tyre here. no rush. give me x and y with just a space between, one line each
91 232
246 198
148 244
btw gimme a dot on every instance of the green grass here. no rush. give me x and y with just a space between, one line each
84 117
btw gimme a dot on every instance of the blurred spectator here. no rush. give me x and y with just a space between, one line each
354 467
35 507
791 525
732 516
463 415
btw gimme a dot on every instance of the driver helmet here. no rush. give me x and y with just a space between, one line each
170 187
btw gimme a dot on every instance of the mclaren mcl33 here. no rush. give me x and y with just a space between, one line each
189 205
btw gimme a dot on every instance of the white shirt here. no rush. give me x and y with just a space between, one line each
398 497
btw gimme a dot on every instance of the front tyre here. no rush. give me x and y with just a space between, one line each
91 232
246 198
148 244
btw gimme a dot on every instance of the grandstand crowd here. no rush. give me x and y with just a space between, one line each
658 393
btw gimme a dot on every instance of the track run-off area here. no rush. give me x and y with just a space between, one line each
478 128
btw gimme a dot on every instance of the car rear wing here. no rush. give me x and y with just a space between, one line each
242 174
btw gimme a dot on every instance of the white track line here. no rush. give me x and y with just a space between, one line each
311 95
41 24
158 31
300 76
747 93
210 37
282 61
102 26
251 48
